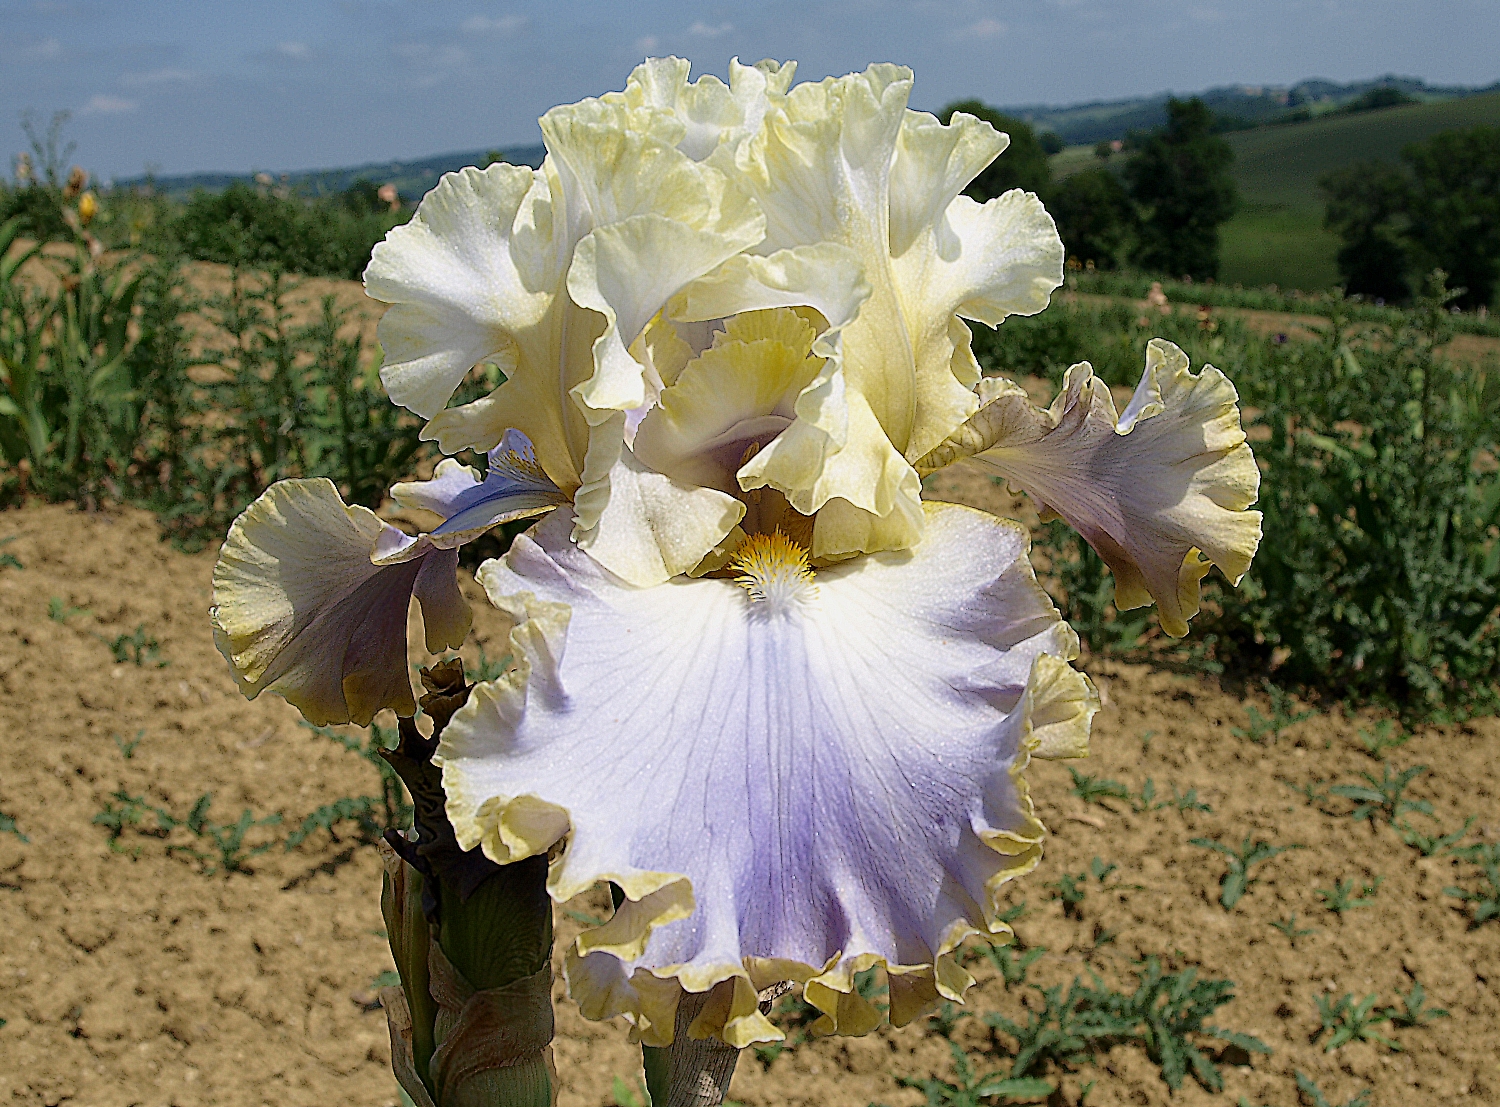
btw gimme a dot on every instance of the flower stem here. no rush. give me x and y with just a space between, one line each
698 1070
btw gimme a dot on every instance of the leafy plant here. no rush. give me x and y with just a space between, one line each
371 814
1430 844
1071 888
972 1090
1237 880
137 647
8 826
1288 926
626 1096
1486 903
1386 736
1011 962
1188 801
127 747
1384 797
1091 789
9 560
229 850
1341 897
1282 717
1414 1011
1346 1021
60 612
1316 1098
944 1021
793 1015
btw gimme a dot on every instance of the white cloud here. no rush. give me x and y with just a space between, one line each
703 30
485 25
984 28
46 48
297 50
156 77
647 45
107 105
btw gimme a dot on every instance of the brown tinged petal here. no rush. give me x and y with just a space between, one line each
1160 492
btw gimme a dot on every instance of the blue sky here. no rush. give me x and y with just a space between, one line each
187 85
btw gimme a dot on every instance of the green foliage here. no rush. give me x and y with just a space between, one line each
1367 203
1237 880
1094 215
1091 789
973 1090
60 611
1431 845
1288 926
1281 718
1087 591
127 747
1386 736
9 560
1012 963
137 647
226 849
626 1096
793 1015
1315 1097
371 815
1346 1021
8 826
1181 177
1341 897
1455 209
1165 1015
1487 902
1022 165
1071 888
1414 1010
1385 797
246 225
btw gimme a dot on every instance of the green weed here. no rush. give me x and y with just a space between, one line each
60 611
127 747
1414 1011
1282 717
371 814
9 560
1346 1021
487 670
626 1096
972 1089
1431 845
1310 792
1180 801
1315 1097
1072 889
1288 926
1385 797
1092 789
1237 880
1341 896
944 1021
1486 903
793 1016
1386 736
139 648
1011 962
8 826
229 851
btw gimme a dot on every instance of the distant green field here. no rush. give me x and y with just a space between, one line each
1278 236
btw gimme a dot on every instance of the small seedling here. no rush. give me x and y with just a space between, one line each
944 1021
1072 889
1385 736
1384 797
388 979
1431 845
487 670
1290 929
138 647
1315 1097
1345 1021
1341 897
1310 792
229 853
9 560
1011 914
371 814
972 1090
1011 962
1147 800
1188 801
1091 789
1486 904
127 748
8 826
1282 718
1237 880
1146 741
1058 1033
793 1015
1414 1011
60 612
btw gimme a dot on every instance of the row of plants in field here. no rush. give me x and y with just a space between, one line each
1378 577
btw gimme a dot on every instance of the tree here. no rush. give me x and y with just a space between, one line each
1455 209
1366 205
1094 216
1022 165
1180 177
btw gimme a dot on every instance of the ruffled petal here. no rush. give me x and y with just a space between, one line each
514 487
794 791
300 607
1160 493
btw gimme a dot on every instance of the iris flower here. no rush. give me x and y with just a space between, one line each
759 685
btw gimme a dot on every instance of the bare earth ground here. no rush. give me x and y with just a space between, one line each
129 977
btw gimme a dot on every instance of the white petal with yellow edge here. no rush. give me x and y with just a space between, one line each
795 790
